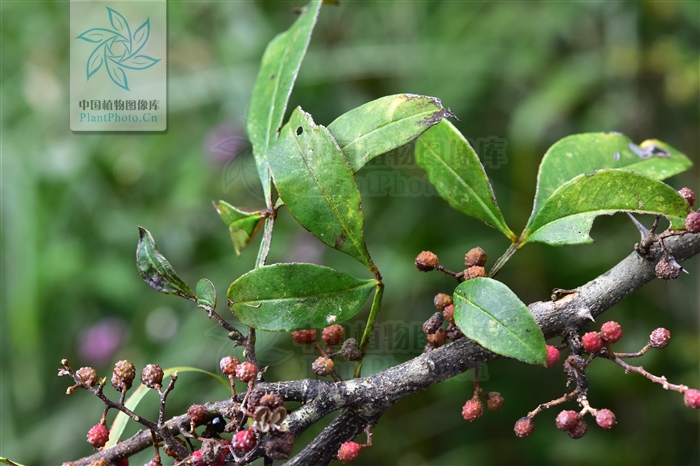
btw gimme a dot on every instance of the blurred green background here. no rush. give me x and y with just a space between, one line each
528 73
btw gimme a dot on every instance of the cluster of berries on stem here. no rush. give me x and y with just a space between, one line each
598 345
332 336
474 408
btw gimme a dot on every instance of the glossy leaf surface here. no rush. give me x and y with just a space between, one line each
458 176
286 297
585 153
383 125
242 225
155 269
206 295
273 86
567 215
489 313
317 186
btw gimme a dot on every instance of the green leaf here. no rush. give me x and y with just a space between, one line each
567 215
317 186
279 69
120 421
286 297
585 153
9 462
155 269
206 295
458 176
383 125
242 225
489 313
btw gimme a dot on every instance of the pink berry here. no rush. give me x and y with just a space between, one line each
304 337
246 372
98 436
228 365
244 440
333 335
579 430
196 458
692 222
592 342
348 451
611 332
659 338
605 419
567 419
553 355
472 410
688 195
524 427
692 398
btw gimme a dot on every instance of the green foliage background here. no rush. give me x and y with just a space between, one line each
527 72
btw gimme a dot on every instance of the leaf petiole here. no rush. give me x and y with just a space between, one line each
369 328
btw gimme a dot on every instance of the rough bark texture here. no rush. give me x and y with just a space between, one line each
364 400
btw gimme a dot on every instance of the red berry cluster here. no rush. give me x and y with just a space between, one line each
244 371
593 342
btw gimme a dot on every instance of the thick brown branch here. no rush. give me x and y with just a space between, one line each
364 400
